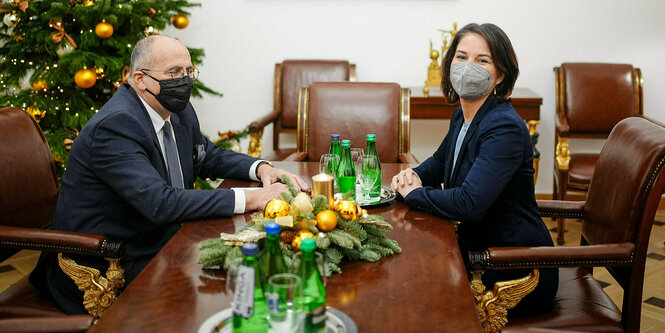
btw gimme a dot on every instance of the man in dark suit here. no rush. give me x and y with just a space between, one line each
131 170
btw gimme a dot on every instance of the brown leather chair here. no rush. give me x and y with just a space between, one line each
617 216
29 190
591 98
354 109
290 76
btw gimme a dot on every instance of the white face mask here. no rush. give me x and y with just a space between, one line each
470 81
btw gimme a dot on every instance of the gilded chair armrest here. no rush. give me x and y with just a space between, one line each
297 156
262 122
408 158
60 241
75 323
560 208
561 125
616 254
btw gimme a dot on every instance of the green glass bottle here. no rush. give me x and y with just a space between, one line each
346 173
312 301
375 191
335 149
249 304
271 260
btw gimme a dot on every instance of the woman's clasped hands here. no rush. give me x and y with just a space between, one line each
405 181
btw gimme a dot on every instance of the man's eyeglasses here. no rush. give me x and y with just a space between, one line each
193 73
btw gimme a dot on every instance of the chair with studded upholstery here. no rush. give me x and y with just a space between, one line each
29 190
591 98
290 76
353 110
617 216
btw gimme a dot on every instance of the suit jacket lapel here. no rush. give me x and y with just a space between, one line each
185 145
487 105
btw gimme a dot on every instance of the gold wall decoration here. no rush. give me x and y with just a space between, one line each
434 70
493 305
98 292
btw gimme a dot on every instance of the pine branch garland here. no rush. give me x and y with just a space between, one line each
354 228
319 203
289 184
322 243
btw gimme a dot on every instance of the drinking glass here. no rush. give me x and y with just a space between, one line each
280 292
328 164
369 173
356 154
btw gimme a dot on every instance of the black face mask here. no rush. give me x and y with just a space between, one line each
173 93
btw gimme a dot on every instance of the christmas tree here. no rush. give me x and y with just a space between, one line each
63 59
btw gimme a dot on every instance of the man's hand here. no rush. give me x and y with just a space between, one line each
257 199
269 175
405 181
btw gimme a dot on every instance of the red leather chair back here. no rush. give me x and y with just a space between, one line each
597 96
627 185
353 110
301 73
28 186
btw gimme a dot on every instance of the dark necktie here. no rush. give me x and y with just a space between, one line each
172 156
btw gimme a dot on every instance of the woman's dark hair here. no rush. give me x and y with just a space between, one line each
503 56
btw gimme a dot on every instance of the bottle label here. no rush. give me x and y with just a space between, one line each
243 301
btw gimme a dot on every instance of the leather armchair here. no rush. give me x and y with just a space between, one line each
290 76
29 187
617 216
591 98
354 109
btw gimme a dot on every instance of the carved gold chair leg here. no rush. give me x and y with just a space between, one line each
99 292
254 149
493 305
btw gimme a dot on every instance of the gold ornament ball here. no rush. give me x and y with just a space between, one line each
276 208
180 21
85 78
347 209
39 85
104 30
302 234
326 220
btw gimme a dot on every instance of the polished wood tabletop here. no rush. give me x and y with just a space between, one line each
423 289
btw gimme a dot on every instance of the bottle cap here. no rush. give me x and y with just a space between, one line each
346 143
371 137
250 249
308 244
272 229
334 137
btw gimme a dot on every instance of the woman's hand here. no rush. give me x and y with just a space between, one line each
405 181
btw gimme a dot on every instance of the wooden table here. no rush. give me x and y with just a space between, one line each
424 289
526 103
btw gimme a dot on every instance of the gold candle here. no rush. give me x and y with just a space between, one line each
324 184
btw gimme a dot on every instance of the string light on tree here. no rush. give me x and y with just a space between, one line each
180 21
150 31
85 78
104 29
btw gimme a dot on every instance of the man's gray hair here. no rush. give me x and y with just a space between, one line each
141 55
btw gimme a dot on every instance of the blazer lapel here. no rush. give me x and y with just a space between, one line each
185 145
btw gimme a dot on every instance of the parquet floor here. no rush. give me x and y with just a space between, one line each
653 308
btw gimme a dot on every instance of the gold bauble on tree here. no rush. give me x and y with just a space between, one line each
39 85
180 21
302 234
104 29
348 209
85 78
276 208
326 220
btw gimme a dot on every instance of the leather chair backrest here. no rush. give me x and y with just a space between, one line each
28 185
597 96
626 186
301 73
353 110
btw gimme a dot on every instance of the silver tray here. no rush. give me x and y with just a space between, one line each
387 195
336 322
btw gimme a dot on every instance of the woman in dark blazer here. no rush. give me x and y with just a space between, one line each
482 173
